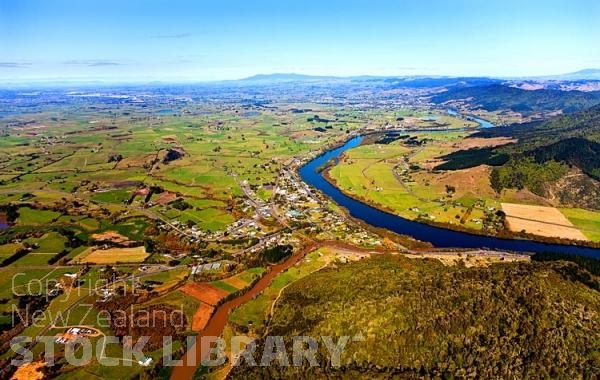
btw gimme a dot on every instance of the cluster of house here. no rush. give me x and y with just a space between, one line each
302 203
69 280
205 267
72 334
238 229
295 201
105 295
244 228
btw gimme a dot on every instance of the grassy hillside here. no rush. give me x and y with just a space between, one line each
419 319
541 157
499 97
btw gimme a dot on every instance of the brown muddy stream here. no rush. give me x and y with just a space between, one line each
219 319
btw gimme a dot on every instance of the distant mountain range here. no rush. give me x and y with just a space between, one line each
586 74
286 77
389 82
415 81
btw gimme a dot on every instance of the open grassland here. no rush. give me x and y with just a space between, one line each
33 259
112 255
58 310
32 216
15 282
178 301
392 177
586 221
108 161
105 157
51 242
239 281
8 250
242 280
43 249
165 280
539 220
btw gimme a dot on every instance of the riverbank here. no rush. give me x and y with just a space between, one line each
504 234
216 324
439 236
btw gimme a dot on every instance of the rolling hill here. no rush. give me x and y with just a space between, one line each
419 319
497 97
545 154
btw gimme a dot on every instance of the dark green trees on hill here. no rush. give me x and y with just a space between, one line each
576 151
420 319
525 172
500 97
542 154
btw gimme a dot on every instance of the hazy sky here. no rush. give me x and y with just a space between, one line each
223 39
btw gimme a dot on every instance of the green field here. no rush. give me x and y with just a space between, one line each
112 196
251 274
367 172
31 216
255 312
401 179
15 282
587 221
224 286
8 250
177 300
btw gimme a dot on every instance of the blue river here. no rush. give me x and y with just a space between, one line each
439 237
482 123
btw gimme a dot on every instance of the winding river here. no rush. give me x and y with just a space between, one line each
482 123
439 237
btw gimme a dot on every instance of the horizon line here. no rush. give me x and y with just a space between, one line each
182 80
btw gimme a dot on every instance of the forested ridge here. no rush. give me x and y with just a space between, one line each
585 124
497 97
542 155
422 319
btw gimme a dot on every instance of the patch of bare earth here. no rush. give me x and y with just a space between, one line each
473 181
124 184
29 371
236 282
132 162
112 255
111 237
466 144
202 316
165 197
526 196
540 220
204 292
480 142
